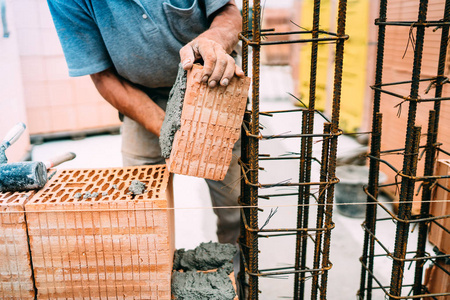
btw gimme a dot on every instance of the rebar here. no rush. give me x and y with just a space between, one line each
404 218
320 235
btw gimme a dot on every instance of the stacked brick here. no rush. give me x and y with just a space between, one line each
15 269
91 239
441 207
210 126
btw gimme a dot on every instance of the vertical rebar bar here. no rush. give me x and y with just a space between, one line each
334 129
244 160
407 186
305 167
320 210
254 154
375 146
432 131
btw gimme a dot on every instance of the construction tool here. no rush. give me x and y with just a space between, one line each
23 176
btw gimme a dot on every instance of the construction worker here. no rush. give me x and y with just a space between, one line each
132 49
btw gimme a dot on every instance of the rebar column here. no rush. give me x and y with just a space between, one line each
409 162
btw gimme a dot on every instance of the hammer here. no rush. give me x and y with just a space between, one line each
24 176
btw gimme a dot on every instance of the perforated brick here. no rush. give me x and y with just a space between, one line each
112 246
210 126
15 269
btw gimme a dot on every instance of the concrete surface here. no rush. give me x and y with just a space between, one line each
195 221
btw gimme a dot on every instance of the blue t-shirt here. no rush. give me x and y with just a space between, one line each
140 38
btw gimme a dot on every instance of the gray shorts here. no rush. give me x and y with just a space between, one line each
140 147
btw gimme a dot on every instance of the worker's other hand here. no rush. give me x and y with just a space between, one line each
219 67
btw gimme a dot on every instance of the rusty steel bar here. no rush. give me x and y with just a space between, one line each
244 196
404 212
253 154
305 167
410 160
334 128
433 126
320 211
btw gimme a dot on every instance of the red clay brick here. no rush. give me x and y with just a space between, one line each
15 269
210 126
108 247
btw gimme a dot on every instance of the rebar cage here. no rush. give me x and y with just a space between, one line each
375 247
304 188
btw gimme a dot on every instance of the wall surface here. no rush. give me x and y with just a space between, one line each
398 64
11 89
54 101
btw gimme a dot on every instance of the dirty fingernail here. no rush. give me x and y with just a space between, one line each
212 83
205 78
225 82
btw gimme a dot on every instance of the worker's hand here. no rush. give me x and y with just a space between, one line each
219 67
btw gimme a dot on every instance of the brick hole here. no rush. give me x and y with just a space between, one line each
121 185
100 182
105 187
149 172
115 196
150 193
80 178
76 173
56 187
120 173
91 173
95 178
111 177
74 185
141 176
66 178
59 193
155 175
64 198
153 184
126 176
89 187
135 171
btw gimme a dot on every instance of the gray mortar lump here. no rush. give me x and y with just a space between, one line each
194 285
172 120
137 187
188 283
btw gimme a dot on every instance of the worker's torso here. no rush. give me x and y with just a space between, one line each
143 37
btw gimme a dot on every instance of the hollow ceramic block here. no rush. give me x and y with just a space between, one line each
111 246
15 269
210 126
441 207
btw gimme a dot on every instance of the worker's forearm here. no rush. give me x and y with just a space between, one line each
225 27
129 100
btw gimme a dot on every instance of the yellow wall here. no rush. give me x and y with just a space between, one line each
355 61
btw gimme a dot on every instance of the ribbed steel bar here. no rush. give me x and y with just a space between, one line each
404 212
243 199
305 166
433 127
334 128
410 160
320 211
298 244
253 155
